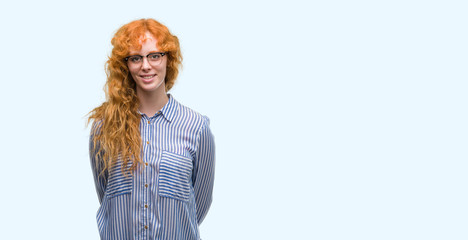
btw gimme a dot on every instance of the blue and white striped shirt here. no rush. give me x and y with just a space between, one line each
170 196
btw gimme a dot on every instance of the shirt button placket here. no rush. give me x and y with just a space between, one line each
143 233
147 173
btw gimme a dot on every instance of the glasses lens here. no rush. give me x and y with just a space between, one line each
134 59
155 58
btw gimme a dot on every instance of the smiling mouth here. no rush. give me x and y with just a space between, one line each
147 76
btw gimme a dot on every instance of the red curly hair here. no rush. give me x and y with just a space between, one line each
115 132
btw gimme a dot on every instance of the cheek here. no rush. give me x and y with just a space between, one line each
133 71
161 71
163 68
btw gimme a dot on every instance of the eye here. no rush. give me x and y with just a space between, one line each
135 59
154 56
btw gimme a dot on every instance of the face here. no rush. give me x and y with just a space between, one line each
149 77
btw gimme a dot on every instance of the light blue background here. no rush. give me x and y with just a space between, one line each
333 119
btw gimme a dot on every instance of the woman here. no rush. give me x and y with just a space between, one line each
152 157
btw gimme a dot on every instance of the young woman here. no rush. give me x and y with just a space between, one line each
152 158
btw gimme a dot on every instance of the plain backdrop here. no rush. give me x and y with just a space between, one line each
333 119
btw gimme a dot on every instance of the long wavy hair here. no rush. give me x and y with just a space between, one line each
115 132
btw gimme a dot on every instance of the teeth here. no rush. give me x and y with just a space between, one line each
148 77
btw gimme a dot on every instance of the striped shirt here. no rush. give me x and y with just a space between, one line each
170 195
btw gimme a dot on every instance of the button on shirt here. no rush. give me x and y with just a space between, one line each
169 196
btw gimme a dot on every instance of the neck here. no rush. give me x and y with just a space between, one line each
152 102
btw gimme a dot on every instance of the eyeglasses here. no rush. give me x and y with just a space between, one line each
154 58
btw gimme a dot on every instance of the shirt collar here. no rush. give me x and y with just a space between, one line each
169 110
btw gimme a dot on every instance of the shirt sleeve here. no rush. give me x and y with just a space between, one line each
100 180
203 171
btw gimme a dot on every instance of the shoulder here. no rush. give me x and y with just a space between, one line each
96 127
189 117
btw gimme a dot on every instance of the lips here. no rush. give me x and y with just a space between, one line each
147 77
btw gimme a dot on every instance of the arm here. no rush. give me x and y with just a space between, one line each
203 171
100 180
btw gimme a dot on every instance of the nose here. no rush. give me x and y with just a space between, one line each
145 64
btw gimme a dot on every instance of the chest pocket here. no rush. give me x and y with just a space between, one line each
175 172
118 183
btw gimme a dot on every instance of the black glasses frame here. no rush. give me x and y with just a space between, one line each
161 53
